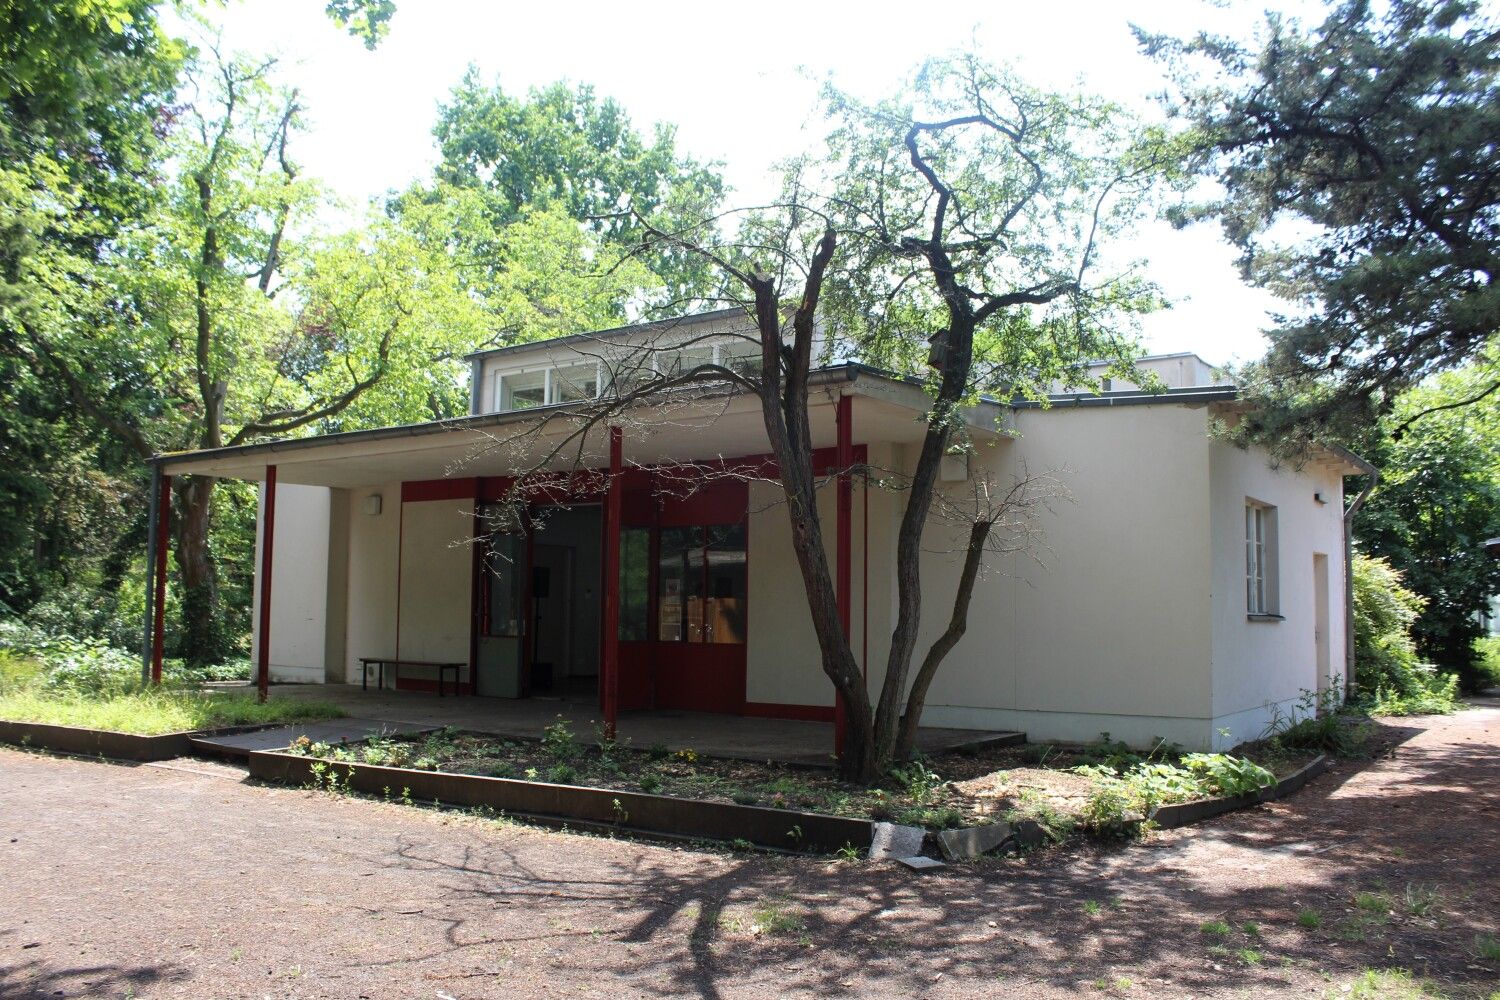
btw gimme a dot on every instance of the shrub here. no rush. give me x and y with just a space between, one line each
1317 724
1441 699
1221 774
1487 660
558 741
1108 809
1389 672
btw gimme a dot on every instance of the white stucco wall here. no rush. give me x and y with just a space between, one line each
1110 632
1264 663
373 540
299 583
436 580
783 666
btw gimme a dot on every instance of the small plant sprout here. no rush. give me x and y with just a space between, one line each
1092 907
1215 929
1421 900
1487 947
772 917
1249 956
1308 919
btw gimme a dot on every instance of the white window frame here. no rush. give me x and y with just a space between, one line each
1261 590
551 383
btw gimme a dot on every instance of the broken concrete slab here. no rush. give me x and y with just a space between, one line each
1029 834
971 842
894 841
920 864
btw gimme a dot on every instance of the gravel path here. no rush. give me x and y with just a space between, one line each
186 880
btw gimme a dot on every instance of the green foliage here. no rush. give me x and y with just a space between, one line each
559 743
1223 775
916 780
1058 175
367 20
151 712
1316 724
1438 501
1384 613
84 88
1390 984
1487 660
1130 789
1346 152
565 149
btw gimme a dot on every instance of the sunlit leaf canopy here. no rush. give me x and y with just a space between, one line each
1042 185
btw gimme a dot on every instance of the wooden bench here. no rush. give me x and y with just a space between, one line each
381 662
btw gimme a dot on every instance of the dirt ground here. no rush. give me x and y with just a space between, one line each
185 880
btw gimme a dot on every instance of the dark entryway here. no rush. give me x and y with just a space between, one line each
539 582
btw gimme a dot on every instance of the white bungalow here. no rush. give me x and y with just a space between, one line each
1188 590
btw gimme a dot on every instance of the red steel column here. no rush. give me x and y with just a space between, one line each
609 676
159 609
843 577
267 544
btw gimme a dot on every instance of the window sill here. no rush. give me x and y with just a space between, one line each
1265 618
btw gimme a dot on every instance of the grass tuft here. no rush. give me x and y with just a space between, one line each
154 712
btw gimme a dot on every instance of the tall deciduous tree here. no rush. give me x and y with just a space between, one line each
231 321
1360 167
565 147
82 89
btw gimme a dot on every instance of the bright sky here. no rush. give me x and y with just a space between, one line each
740 82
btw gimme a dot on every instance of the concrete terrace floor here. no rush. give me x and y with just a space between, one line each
731 736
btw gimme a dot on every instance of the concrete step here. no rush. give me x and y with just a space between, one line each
239 745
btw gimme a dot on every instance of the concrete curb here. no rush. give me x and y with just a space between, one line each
781 829
106 743
1185 813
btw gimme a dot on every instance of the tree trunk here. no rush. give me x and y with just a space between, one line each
916 701
203 639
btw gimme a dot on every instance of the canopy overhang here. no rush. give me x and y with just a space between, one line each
685 427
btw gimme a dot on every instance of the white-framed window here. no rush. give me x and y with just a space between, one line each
586 380
1260 558
522 390
547 386
575 383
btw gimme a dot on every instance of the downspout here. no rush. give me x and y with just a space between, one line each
1372 480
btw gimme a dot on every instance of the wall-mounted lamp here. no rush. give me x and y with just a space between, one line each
371 504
